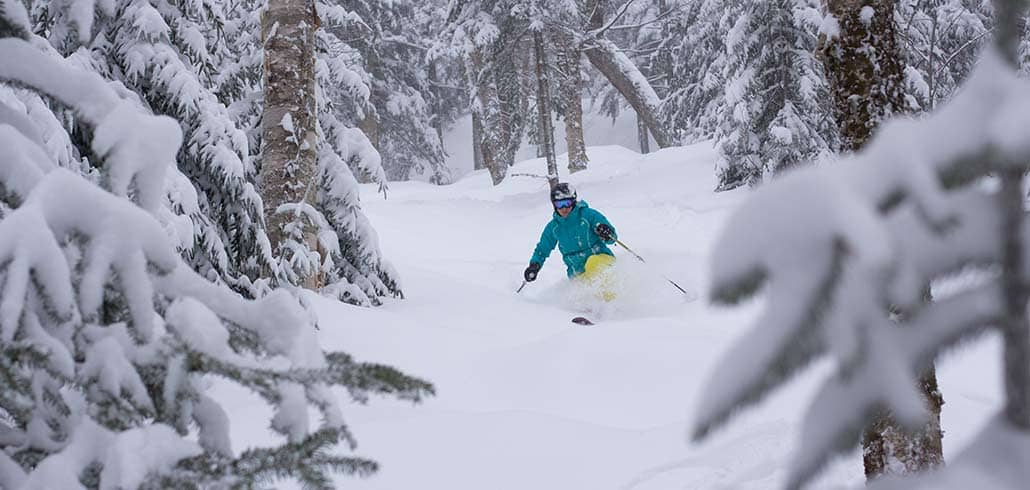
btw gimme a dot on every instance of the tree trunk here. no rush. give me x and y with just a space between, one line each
627 79
624 76
864 69
487 107
642 136
1015 328
289 139
888 448
571 100
866 78
437 120
371 127
371 124
516 82
477 142
543 105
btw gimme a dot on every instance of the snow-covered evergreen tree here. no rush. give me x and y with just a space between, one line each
776 112
839 250
354 268
166 53
108 336
485 38
210 79
941 40
689 60
390 38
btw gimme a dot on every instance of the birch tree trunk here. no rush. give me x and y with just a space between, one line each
289 139
486 106
570 99
543 105
866 78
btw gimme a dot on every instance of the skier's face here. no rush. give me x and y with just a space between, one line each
563 207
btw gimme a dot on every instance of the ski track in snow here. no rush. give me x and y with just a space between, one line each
528 400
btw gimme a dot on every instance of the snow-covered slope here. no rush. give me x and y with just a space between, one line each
528 400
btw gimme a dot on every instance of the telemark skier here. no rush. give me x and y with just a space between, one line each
582 235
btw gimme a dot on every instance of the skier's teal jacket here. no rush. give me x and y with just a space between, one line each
575 237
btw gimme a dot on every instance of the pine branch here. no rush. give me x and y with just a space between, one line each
16 397
360 379
800 343
308 461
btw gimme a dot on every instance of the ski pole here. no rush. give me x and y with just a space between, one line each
641 259
522 286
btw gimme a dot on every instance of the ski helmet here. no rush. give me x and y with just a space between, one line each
563 190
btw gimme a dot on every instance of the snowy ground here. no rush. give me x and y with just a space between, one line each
527 400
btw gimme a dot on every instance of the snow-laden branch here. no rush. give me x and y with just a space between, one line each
913 160
893 359
88 94
127 458
835 248
137 149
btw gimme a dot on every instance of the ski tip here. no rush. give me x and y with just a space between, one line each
581 321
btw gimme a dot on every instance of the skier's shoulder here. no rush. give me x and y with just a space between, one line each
585 208
551 225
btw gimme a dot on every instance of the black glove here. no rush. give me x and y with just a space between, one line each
605 232
531 271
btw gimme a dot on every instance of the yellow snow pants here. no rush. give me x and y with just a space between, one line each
595 273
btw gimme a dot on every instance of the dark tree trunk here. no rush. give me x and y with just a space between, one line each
543 105
866 77
887 447
1015 328
864 68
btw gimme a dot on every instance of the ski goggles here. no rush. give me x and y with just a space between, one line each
564 203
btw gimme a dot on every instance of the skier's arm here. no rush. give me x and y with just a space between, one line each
595 218
544 247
